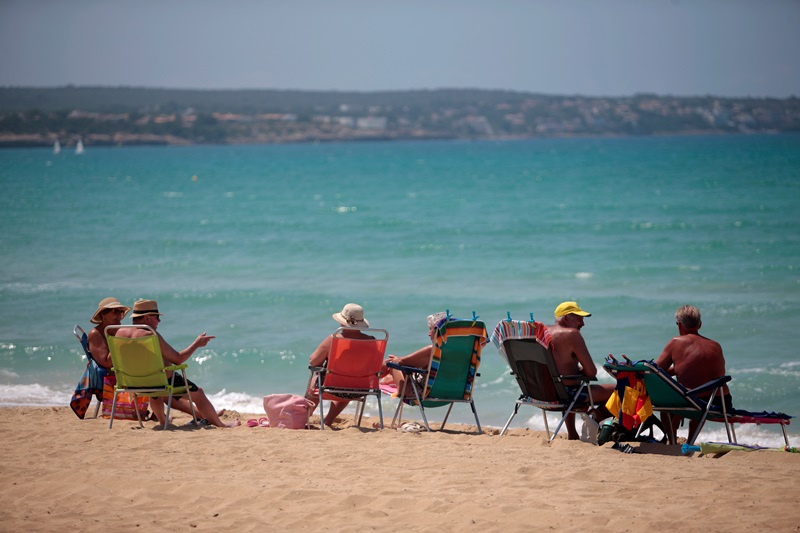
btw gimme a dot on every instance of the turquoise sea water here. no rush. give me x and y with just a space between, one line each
258 245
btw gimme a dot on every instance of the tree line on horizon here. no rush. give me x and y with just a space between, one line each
130 115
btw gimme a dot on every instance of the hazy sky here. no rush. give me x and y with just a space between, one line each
588 47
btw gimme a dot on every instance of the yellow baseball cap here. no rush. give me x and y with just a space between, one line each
570 308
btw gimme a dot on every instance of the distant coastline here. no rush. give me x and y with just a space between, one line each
103 116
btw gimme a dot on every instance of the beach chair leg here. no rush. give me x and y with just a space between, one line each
136 408
191 403
380 408
189 395
785 438
419 402
169 408
360 412
113 409
728 425
321 411
446 415
558 427
475 413
546 425
510 418
697 433
670 428
398 414
97 407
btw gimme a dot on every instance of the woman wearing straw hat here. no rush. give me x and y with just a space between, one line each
109 313
351 317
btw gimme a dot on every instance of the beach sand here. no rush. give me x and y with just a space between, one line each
60 473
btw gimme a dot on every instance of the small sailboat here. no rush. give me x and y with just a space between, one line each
56 147
79 147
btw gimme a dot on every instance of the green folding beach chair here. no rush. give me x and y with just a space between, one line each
667 395
450 376
140 371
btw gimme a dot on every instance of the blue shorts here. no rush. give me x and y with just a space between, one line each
583 397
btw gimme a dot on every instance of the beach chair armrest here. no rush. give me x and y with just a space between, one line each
711 385
407 369
173 368
317 369
579 377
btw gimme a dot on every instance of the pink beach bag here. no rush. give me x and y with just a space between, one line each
288 411
125 408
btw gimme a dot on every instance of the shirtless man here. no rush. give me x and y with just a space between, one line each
572 357
694 360
146 312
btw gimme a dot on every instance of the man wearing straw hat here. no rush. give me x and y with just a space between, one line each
146 312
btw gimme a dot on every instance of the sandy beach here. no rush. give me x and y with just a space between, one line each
61 473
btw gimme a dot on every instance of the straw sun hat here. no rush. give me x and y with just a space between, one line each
351 316
107 303
144 308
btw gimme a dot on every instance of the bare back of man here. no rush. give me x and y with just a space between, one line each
693 359
570 353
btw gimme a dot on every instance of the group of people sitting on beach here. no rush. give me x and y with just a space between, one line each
692 358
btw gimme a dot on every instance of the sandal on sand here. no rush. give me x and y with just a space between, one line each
411 427
624 448
261 422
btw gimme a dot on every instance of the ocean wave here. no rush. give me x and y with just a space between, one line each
785 370
35 394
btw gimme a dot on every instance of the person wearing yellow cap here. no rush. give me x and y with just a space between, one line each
572 357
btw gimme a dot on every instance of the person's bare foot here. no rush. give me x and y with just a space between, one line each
236 422
221 412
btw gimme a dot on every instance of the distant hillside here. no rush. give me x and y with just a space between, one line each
125 115
250 101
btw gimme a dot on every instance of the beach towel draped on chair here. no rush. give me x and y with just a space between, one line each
634 420
90 383
519 329
630 400
450 377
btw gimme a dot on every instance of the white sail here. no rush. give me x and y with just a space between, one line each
56 147
79 147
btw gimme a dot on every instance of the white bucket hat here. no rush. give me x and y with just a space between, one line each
351 316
